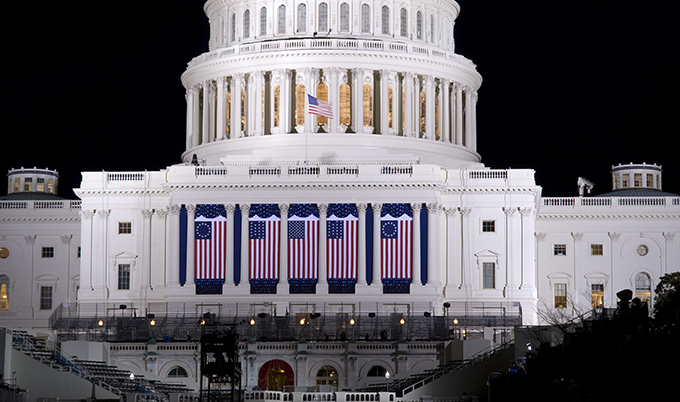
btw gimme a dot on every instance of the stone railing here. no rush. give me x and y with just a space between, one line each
35 205
610 202
341 44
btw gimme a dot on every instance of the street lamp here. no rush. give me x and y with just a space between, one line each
387 377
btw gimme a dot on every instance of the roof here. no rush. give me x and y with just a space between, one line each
31 196
637 192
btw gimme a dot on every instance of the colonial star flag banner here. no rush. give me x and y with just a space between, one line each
210 242
342 227
319 107
264 226
303 244
396 234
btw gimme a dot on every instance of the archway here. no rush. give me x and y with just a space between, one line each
275 375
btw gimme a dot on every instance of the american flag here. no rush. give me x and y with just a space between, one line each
396 232
342 234
210 241
303 241
264 228
319 107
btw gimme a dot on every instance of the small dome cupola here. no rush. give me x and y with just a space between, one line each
635 175
32 180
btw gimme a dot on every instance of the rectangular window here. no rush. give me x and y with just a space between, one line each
488 226
46 298
123 276
637 180
385 20
625 178
79 250
560 295
50 186
597 294
650 180
489 273
28 184
596 249
17 185
124 227
47 252
40 185
560 249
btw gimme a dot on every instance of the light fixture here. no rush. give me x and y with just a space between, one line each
100 323
351 322
302 321
387 375
455 321
202 322
252 321
402 321
132 376
153 322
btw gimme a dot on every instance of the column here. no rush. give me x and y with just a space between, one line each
468 118
459 114
408 105
190 245
221 118
528 263
377 274
384 101
453 249
173 246
417 277
444 111
259 113
432 244
190 118
86 249
465 264
236 85
100 251
473 121
205 130
245 262
513 259
323 266
361 246
196 122
158 257
283 250
146 237
229 254
358 100
429 108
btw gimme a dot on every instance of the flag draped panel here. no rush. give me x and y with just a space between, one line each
210 242
264 230
396 234
341 245
303 244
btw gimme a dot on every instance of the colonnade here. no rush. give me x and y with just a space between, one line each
364 101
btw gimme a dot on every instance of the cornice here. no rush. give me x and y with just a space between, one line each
552 217
300 186
41 219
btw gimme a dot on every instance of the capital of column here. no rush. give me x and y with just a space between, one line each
175 209
161 213
450 212
361 207
147 213
104 213
377 207
433 207
416 207
509 212
284 208
245 209
229 208
86 214
191 208
323 209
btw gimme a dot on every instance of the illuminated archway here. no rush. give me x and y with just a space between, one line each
275 375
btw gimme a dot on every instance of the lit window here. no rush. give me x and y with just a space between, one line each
246 24
488 226
436 116
50 186
124 227
560 249
596 249
560 295
177 372
47 252
243 110
344 17
40 185
345 111
263 21
327 375
4 252
422 112
365 18
368 105
650 180
489 275
637 180
282 20
419 25
390 107
322 94
4 293
643 287
625 178
227 114
323 17
385 20
404 23
300 102
28 184
597 294
123 276
302 18
277 99
46 298
17 184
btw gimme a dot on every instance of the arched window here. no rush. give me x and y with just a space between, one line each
263 21
233 27
643 287
368 105
327 375
177 372
300 105
277 100
419 25
302 18
390 107
227 114
365 18
403 26
244 104
344 17
323 17
376 371
246 24
436 115
4 292
282 20
385 20
345 114
431 28
423 112
322 94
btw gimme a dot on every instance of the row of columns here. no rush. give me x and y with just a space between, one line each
216 110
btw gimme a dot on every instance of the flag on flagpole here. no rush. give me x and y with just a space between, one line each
319 107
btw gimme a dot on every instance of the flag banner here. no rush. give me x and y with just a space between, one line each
342 227
396 233
319 107
303 244
264 228
210 242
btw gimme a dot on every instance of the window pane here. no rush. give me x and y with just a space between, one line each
643 287
344 17
368 105
123 276
385 20
345 114
47 252
323 17
560 249
597 294
489 272
322 94
302 18
488 226
300 102
46 298
596 249
419 25
365 18
560 295
263 21
282 19
404 22
246 24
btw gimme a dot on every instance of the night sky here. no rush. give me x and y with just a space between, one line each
569 89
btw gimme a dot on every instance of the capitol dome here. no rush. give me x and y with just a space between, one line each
397 90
